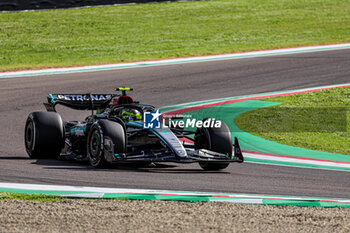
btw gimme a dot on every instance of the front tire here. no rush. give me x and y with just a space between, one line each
99 132
214 139
44 135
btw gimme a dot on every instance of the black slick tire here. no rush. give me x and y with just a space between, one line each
98 133
214 139
44 135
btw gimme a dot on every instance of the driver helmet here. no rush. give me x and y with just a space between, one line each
113 102
131 115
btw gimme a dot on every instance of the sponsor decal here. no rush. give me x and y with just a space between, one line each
79 130
84 97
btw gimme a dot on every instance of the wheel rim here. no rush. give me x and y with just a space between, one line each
95 147
29 136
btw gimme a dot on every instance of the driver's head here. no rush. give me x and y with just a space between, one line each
131 115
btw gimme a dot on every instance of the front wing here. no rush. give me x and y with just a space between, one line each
193 156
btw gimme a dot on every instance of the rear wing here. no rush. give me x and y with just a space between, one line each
79 101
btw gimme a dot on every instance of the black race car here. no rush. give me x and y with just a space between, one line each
115 132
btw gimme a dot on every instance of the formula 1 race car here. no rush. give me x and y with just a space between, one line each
116 132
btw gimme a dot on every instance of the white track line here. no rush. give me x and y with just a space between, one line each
23 73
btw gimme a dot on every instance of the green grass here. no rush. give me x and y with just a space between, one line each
45 198
167 30
313 122
29 197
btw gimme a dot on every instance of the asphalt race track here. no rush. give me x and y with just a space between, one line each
167 85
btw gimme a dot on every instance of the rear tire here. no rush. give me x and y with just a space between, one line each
214 139
99 132
44 135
